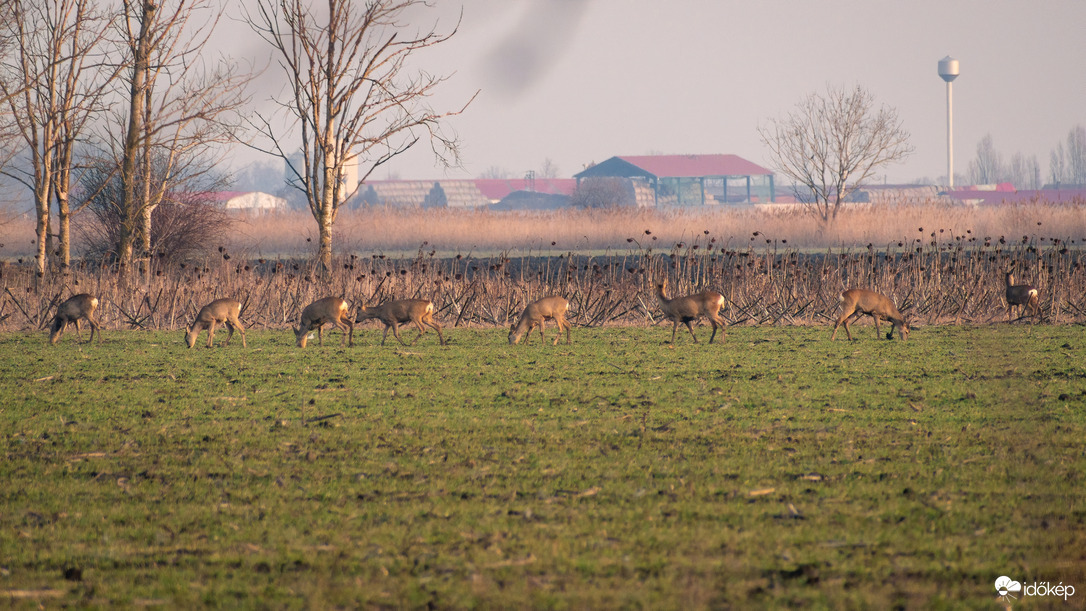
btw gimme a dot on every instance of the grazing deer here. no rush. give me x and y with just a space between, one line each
690 308
857 302
394 313
76 308
220 311
321 312
1021 295
553 308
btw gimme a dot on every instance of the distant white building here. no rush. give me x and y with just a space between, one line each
250 201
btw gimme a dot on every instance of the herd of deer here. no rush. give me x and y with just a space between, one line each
420 312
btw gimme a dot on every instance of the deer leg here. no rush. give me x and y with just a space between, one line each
563 323
836 325
877 331
320 334
345 326
94 328
842 319
674 328
691 328
418 325
396 333
241 329
211 332
229 327
437 327
542 324
79 329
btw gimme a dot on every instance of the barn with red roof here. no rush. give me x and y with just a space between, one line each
689 180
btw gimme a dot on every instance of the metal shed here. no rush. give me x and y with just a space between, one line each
691 180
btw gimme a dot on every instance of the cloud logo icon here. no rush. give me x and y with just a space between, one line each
1005 585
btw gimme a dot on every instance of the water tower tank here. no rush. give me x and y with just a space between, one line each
948 68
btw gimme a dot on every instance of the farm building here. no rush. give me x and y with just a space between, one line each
455 193
688 180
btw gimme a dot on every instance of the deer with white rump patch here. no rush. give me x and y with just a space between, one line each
321 312
78 307
397 312
552 308
690 308
219 312
1022 296
857 302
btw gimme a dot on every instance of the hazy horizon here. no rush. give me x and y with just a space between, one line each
579 81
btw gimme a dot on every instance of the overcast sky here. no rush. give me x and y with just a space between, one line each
578 81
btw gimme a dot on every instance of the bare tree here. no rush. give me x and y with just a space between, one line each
495 173
351 96
834 142
1076 155
988 167
61 79
188 220
178 107
1024 172
548 169
603 192
1057 165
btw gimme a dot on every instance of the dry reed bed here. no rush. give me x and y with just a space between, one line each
553 232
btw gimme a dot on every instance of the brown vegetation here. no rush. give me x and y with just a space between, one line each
936 273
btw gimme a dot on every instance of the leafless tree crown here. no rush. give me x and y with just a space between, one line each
352 101
834 142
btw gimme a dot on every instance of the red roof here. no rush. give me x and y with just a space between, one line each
692 166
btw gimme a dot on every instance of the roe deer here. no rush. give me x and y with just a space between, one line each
857 302
76 308
321 312
393 313
533 316
1022 295
690 308
220 311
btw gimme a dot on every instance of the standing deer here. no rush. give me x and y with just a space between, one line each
321 312
690 308
76 308
220 311
857 302
394 313
1021 295
553 308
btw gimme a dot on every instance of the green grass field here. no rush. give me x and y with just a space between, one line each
778 469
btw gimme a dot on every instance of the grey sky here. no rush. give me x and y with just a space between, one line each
578 81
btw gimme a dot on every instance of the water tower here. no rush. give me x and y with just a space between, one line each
948 69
